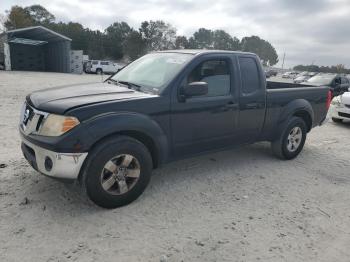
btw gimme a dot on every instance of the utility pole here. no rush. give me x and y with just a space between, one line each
284 56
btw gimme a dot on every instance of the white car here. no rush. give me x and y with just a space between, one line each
290 75
340 109
102 67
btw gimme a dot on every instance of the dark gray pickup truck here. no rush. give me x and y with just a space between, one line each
163 107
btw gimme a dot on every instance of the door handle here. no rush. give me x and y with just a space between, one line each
252 105
231 105
227 107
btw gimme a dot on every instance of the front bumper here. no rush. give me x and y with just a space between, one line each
61 165
340 112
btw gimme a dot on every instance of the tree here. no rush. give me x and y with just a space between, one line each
116 35
337 69
18 17
158 35
181 42
120 40
39 14
202 39
262 48
224 41
134 45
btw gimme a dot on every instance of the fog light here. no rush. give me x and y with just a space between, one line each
48 164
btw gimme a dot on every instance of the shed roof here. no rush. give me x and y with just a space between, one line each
37 33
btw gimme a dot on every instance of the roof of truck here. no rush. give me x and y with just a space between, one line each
204 51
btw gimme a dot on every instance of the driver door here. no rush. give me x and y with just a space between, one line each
205 122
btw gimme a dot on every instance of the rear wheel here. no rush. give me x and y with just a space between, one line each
292 139
117 172
337 120
99 71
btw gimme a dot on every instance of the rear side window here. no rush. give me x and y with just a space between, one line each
249 75
95 62
104 63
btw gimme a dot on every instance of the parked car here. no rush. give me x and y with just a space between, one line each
270 73
290 75
340 109
102 67
303 77
163 107
337 83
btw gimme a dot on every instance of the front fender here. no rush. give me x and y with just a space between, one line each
104 125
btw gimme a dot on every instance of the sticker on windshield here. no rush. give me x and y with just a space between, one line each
175 60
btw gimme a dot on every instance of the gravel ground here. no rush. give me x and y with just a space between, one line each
237 205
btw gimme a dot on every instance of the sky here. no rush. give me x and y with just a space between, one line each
307 31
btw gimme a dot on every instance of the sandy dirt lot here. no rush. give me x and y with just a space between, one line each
237 205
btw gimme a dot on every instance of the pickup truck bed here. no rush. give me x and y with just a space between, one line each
279 96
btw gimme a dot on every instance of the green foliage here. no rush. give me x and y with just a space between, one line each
262 48
336 69
115 36
202 39
134 45
119 40
224 41
158 35
39 14
181 42
18 17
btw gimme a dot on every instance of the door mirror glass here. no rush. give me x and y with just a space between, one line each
196 89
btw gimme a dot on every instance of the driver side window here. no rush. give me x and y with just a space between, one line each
216 73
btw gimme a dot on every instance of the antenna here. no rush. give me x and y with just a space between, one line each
284 56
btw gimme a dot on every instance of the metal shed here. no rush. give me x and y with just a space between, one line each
36 48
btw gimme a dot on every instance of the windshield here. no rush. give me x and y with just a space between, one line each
321 79
153 71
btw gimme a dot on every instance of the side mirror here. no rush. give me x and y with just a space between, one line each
196 89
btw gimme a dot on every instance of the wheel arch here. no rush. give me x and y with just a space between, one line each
305 115
135 125
299 108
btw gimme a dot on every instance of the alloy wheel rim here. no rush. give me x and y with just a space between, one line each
294 139
120 174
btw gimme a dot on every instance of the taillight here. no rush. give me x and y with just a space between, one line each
329 99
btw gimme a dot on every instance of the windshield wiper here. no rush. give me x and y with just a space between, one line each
130 85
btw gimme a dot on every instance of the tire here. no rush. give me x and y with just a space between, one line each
283 147
99 71
96 172
337 120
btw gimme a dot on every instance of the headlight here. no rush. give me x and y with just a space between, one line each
56 125
336 101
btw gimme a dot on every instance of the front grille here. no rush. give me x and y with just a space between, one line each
31 119
344 114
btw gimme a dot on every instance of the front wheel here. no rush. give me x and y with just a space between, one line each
117 172
292 139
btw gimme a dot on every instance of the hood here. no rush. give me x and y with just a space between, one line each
60 99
